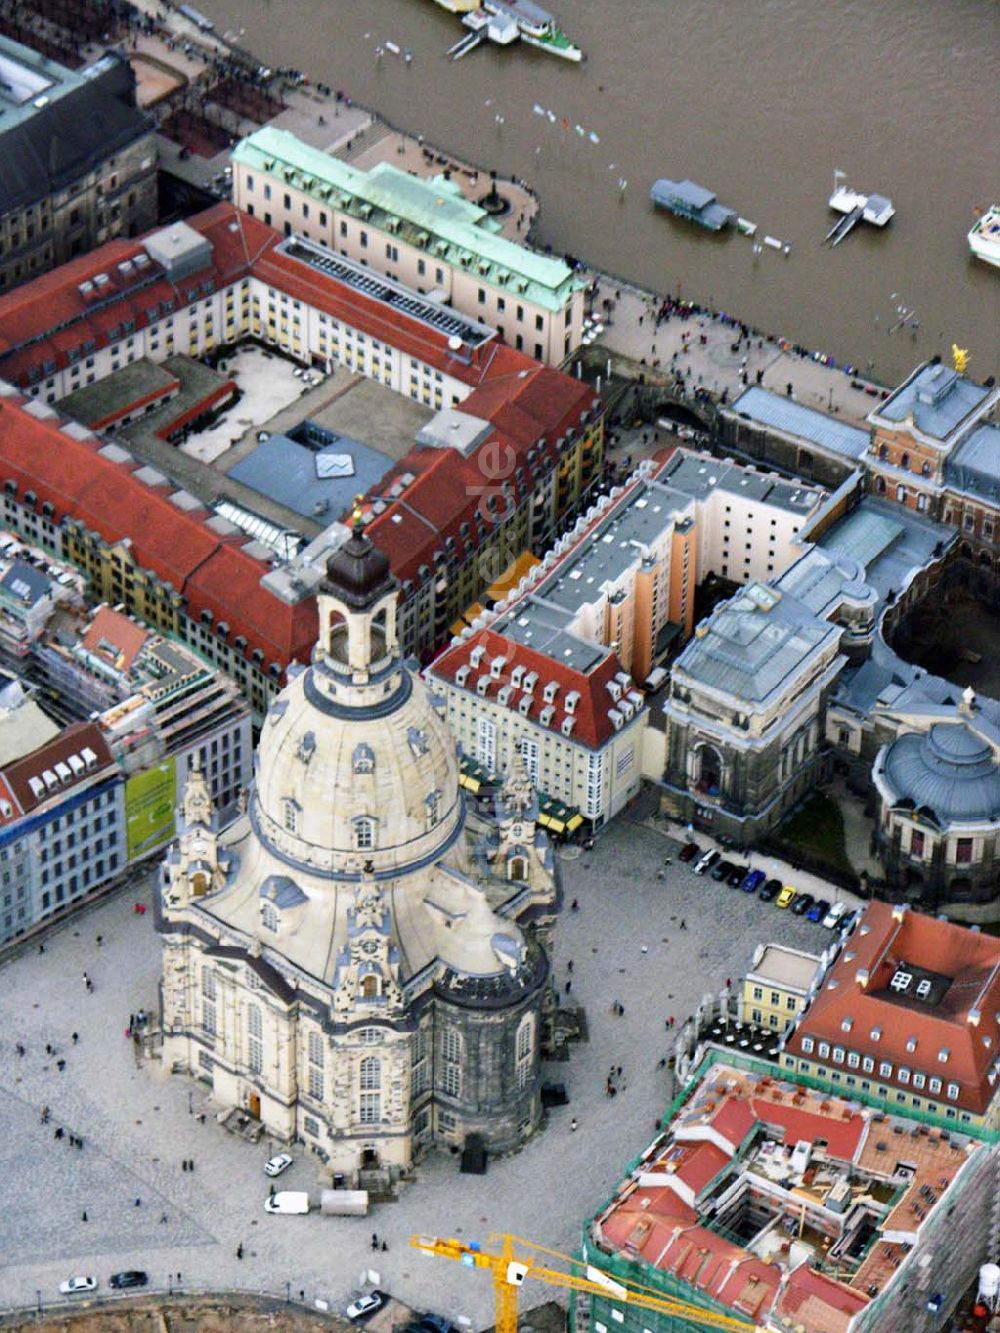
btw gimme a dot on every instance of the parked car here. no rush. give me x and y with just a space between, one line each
752 881
802 903
818 910
735 877
786 897
365 1306
688 852
720 870
131 1277
74 1285
835 917
275 1165
770 891
706 862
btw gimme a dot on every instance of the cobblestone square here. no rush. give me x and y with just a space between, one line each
138 1123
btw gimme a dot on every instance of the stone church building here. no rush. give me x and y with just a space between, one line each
348 962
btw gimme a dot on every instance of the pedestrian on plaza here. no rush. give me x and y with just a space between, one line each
41 948
76 1038
618 1071
100 940
569 987
83 1216
138 1203
683 925
60 1065
374 1240
239 1250
85 978
90 986
572 1125
575 905
19 1048
385 1247
569 965
163 1217
58 1132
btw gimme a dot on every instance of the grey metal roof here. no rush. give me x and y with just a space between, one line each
950 771
542 627
753 643
974 466
892 542
81 120
285 470
698 475
938 398
819 579
805 423
282 891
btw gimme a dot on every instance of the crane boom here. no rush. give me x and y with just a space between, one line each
510 1268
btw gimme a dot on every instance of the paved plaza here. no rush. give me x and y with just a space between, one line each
138 1122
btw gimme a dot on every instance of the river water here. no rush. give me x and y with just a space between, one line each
759 100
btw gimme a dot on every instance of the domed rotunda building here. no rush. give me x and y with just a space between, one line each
347 962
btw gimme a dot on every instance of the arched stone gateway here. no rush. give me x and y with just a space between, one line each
338 960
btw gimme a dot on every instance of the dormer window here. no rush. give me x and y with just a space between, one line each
363 760
572 699
911 1044
290 814
496 666
944 1055
551 690
477 655
516 676
364 833
876 1034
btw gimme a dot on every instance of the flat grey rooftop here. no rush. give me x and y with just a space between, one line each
805 423
544 629
698 475
937 399
613 547
318 483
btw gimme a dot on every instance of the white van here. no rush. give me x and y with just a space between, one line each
287 1201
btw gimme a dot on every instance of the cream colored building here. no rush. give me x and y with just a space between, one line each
778 986
344 963
419 232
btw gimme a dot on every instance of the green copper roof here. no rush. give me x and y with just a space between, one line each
429 214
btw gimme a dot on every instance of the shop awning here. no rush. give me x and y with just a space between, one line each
512 576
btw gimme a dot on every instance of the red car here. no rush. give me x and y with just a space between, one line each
688 852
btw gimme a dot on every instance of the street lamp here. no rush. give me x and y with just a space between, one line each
38 1296
288 1293
190 1102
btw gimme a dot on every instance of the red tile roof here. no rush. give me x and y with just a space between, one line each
856 992
207 569
49 317
73 741
114 637
591 724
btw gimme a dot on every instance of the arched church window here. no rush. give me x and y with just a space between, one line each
524 1051
363 760
369 987
364 832
518 868
451 1062
255 1044
370 1101
269 915
371 1073
433 804
315 1073
290 814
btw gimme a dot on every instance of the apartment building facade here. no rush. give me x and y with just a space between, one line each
422 233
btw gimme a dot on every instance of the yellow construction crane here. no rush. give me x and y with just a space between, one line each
510 1269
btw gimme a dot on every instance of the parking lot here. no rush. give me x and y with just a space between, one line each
651 946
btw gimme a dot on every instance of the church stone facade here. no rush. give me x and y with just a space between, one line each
347 962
